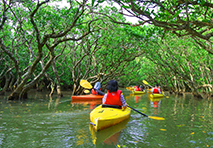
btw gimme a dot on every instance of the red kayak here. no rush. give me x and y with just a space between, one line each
87 97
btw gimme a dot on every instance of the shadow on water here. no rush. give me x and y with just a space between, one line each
51 122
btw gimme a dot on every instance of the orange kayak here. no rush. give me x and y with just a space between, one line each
87 97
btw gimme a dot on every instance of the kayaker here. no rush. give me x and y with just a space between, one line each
97 89
156 90
137 88
114 96
141 88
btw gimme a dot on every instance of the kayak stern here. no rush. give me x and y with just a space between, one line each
102 118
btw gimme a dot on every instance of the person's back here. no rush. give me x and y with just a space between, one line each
156 90
114 96
137 88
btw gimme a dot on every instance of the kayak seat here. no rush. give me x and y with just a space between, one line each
111 106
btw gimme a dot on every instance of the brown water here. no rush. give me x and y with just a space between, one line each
52 123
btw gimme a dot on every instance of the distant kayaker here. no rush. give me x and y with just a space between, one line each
114 96
137 88
97 89
156 90
141 88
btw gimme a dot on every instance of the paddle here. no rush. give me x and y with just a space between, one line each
152 117
85 84
86 91
165 95
145 82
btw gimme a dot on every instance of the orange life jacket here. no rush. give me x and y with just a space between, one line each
113 98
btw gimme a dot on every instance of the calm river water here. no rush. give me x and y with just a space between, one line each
52 123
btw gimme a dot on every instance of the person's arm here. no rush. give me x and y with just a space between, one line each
159 91
124 105
152 90
104 99
100 92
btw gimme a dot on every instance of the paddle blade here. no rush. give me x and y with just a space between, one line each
145 82
86 91
85 84
165 95
156 118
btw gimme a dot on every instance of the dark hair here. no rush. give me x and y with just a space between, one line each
156 85
112 86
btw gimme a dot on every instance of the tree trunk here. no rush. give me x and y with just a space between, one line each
21 91
58 87
52 86
11 85
59 91
6 85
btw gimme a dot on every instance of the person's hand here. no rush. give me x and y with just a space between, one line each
124 108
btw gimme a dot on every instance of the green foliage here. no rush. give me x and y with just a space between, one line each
129 54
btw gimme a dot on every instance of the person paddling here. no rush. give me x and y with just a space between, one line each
97 89
156 90
141 88
137 88
114 96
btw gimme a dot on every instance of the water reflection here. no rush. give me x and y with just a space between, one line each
136 97
155 102
53 104
50 122
92 103
108 136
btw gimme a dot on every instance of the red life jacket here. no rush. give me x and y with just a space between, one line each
113 98
140 88
94 92
137 88
156 91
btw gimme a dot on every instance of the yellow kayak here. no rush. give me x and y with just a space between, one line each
156 95
138 92
103 117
